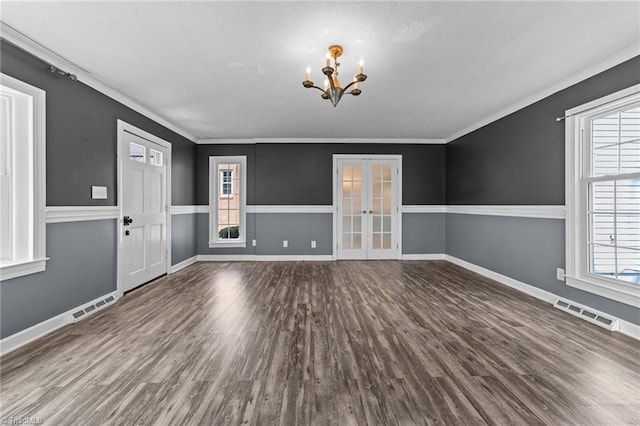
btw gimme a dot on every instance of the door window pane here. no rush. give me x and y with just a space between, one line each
137 152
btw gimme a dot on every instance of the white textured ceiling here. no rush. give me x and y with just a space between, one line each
234 69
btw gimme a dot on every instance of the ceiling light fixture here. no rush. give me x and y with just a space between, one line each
332 88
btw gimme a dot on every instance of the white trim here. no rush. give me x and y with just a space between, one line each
28 335
503 279
614 60
284 209
187 262
57 214
22 267
32 333
175 210
252 141
626 327
424 209
33 47
630 329
603 100
544 212
433 256
122 127
263 258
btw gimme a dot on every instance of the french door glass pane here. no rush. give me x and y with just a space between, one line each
381 200
351 206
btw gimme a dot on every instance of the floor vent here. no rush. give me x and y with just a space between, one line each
90 308
588 314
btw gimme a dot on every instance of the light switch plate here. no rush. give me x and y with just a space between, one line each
560 274
313 243
253 243
285 243
99 192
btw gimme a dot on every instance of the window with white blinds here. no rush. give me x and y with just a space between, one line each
603 196
22 178
613 185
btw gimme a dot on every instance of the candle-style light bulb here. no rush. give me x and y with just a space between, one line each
327 60
361 66
308 76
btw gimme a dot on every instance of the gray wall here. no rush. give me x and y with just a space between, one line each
423 233
519 159
299 229
82 267
81 131
526 249
183 237
301 174
81 151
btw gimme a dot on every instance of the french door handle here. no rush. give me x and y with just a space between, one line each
370 211
364 212
127 221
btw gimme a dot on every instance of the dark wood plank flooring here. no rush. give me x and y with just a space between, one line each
348 342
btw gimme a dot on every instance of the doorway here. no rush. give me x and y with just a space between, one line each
367 196
144 198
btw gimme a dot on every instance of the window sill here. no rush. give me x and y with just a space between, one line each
21 268
627 294
221 244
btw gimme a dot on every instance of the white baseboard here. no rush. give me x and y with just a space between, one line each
626 327
41 329
262 258
183 264
432 256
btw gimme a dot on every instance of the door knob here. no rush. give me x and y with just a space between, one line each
370 211
127 221
364 212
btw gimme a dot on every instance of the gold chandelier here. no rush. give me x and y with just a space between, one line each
333 90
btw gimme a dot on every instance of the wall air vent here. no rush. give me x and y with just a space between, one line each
90 308
588 314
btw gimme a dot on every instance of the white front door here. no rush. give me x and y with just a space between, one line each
367 210
144 210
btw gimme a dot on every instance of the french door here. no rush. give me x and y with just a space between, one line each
367 196
143 251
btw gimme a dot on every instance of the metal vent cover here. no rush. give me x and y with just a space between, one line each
588 314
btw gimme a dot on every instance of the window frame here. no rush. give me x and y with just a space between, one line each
36 259
214 193
577 227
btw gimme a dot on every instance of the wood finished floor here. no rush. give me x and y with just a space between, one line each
349 342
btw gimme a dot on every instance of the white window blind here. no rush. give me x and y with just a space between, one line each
612 182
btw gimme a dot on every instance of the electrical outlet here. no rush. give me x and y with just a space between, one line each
313 243
253 243
285 243
560 274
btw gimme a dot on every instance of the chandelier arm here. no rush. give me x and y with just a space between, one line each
349 85
316 87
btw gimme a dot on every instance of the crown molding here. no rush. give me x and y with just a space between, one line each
408 141
612 61
32 47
